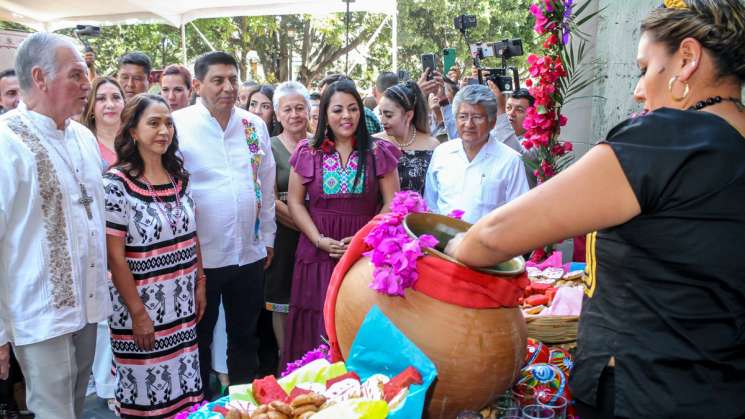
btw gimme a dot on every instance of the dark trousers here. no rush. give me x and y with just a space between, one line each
605 401
242 292
7 390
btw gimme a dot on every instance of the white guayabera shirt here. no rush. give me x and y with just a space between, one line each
52 247
223 184
494 177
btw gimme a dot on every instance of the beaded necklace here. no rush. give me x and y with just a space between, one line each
172 214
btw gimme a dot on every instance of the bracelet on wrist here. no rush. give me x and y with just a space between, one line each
318 241
201 278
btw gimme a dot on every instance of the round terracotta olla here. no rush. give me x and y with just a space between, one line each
478 352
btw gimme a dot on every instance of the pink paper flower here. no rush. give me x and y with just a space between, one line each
321 352
457 214
393 253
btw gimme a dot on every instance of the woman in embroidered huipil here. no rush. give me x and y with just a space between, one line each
347 177
153 252
405 117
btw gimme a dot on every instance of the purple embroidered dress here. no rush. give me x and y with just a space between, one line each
338 210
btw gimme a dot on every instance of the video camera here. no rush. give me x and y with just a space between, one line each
505 49
83 32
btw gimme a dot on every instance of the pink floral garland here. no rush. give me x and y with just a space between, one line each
321 352
184 414
394 253
544 119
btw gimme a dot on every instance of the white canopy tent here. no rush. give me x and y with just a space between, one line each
50 15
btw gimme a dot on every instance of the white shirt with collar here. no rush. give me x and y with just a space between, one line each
52 256
222 185
494 177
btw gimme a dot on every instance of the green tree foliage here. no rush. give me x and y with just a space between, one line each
427 27
318 44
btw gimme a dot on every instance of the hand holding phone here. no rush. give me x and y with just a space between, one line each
428 64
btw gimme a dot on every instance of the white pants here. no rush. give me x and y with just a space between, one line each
220 344
56 372
103 362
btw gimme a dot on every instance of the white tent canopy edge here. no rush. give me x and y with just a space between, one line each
51 15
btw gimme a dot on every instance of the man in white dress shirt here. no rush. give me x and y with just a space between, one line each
52 230
228 153
474 173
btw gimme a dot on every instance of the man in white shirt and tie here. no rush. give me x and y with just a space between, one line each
474 173
228 153
52 230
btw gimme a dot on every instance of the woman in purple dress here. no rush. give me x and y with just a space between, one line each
347 178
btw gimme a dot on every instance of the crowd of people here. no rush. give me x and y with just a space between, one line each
188 230
167 242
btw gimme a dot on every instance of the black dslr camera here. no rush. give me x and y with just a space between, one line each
465 22
504 50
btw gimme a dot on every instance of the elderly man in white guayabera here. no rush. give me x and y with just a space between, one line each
53 285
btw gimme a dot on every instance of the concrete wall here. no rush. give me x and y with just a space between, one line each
617 40
614 36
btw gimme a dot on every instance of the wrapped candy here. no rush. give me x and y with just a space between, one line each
542 381
561 358
537 353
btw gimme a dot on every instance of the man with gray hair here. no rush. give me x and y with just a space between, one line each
52 230
474 173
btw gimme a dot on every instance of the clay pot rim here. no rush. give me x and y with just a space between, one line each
518 262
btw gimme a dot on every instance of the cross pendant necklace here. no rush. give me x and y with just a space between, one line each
85 200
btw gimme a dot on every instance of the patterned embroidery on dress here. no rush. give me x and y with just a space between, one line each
147 220
183 296
58 254
188 374
338 179
252 139
158 383
154 300
126 391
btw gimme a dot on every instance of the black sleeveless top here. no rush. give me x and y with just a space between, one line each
665 292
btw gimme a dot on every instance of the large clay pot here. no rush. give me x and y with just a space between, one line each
478 352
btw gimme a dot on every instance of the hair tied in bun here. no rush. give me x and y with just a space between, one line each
674 4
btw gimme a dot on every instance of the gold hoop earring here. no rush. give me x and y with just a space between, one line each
670 85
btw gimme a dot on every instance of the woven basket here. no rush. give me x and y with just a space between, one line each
554 330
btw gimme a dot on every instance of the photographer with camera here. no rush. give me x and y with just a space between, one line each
432 85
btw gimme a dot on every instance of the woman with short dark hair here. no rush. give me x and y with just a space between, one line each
175 86
158 281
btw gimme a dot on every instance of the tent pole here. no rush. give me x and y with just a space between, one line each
394 38
201 35
346 42
183 44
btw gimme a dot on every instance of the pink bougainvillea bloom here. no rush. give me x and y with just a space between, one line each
456 213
